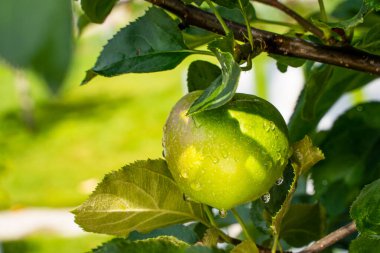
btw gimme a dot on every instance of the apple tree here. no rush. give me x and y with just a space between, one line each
145 205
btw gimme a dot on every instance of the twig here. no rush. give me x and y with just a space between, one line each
308 26
331 238
347 57
322 10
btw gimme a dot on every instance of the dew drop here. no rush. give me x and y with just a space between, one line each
268 164
266 126
163 153
266 197
279 181
272 125
224 154
278 156
359 108
195 186
223 213
184 174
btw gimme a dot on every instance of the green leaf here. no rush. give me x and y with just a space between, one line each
197 2
260 216
315 87
202 249
267 216
351 149
201 74
182 232
41 39
152 43
222 89
231 3
167 244
302 224
371 40
366 210
235 14
245 247
142 196
279 191
305 155
97 10
364 244
82 23
353 21
283 62
341 81
374 4
211 237
195 37
347 9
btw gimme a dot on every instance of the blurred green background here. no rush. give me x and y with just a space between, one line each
78 135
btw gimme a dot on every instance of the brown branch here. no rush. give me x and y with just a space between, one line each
308 26
273 43
331 238
318 246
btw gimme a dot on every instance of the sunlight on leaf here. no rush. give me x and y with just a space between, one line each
245 246
305 155
141 196
151 43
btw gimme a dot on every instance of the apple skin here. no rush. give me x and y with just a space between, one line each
229 155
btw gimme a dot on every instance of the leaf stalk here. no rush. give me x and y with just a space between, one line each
219 17
242 224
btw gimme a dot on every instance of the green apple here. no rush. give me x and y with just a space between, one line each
226 156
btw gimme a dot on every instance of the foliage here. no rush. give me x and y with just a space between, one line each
40 45
143 204
124 202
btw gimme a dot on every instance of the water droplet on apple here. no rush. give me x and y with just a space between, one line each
279 181
272 125
223 213
215 159
278 156
268 164
266 198
196 186
184 174
266 126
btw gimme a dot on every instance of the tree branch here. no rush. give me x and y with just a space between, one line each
347 56
300 20
331 238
